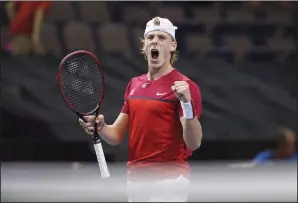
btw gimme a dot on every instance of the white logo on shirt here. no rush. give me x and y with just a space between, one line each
159 94
132 91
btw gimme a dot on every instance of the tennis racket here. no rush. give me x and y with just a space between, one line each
81 82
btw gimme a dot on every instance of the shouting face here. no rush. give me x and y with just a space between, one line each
158 47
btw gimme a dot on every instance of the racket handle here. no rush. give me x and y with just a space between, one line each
101 160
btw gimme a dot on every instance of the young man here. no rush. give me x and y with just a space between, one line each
161 112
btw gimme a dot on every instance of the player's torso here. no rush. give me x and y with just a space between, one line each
155 130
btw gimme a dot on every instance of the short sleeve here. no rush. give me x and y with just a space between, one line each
125 107
196 99
262 157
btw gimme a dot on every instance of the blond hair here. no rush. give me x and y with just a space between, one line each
174 54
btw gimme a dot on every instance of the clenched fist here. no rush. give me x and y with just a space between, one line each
181 90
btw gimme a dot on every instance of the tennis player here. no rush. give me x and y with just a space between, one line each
161 111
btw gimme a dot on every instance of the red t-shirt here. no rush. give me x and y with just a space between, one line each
156 146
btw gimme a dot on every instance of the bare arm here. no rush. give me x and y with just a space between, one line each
38 19
10 9
190 109
113 134
192 132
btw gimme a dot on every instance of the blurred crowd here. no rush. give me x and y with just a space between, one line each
259 31
27 19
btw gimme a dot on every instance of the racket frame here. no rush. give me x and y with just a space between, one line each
96 138
102 79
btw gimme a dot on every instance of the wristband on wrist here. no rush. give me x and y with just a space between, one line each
187 110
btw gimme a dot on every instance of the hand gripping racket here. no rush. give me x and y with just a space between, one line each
81 82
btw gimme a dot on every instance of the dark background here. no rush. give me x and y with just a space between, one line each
243 57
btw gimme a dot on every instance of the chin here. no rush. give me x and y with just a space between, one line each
156 65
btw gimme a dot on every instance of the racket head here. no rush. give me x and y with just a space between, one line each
81 82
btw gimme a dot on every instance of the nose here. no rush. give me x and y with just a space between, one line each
154 41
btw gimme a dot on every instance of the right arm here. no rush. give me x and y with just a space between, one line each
113 134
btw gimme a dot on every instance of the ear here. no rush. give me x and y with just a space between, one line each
174 46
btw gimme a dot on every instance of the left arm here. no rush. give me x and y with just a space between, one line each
191 104
38 19
10 9
192 132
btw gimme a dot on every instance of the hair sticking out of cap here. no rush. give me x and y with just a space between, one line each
156 21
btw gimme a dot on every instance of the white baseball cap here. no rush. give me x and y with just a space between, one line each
164 25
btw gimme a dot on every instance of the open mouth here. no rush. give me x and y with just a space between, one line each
154 53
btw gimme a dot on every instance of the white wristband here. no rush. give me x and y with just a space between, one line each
187 110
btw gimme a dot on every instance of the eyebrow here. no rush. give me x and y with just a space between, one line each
159 35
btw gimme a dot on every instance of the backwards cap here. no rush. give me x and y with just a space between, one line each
160 24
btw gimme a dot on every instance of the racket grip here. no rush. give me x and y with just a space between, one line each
101 160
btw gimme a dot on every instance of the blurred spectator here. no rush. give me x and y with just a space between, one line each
285 148
26 18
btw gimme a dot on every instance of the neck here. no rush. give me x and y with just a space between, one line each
156 73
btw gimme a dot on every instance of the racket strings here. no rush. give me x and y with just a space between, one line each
81 82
